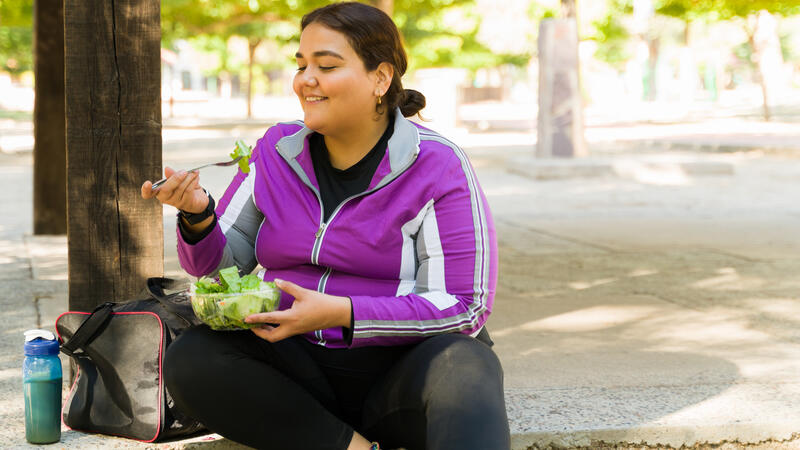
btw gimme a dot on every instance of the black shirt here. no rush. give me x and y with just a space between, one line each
336 185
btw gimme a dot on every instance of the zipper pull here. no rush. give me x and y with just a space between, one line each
321 229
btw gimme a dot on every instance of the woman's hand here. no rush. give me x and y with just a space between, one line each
181 190
310 311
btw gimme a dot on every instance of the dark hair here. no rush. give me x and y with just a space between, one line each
375 38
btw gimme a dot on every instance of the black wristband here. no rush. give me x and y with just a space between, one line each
194 219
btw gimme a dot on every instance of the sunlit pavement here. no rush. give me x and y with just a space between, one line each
640 300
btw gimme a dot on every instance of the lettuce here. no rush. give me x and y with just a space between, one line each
229 278
245 151
224 305
207 285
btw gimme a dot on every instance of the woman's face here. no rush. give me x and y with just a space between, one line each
336 91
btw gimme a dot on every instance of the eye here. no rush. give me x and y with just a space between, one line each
300 69
327 68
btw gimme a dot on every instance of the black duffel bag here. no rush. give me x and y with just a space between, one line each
119 353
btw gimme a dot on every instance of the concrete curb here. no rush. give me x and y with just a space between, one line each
660 437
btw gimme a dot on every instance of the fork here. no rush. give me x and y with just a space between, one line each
231 162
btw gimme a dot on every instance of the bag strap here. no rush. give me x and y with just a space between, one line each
156 287
88 329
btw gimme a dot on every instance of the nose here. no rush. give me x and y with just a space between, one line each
308 78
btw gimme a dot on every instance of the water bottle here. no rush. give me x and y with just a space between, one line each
41 380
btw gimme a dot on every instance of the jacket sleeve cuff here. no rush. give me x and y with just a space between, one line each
347 332
203 257
363 333
193 238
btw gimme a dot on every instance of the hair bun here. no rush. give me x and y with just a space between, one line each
413 102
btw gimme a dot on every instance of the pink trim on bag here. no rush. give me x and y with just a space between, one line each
160 374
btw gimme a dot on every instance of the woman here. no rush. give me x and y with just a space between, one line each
377 233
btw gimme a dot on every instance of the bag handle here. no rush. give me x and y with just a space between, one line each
88 329
156 286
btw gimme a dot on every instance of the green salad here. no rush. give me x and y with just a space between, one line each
224 304
245 151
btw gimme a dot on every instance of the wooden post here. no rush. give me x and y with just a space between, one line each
113 104
49 148
560 121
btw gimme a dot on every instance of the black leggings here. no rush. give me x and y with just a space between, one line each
444 393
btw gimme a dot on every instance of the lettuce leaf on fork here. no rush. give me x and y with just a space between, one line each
245 151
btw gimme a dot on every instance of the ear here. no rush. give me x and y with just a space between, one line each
383 76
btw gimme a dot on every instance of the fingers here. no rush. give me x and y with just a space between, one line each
147 190
289 287
277 317
166 192
270 333
195 183
283 320
183 192
147 186
175 191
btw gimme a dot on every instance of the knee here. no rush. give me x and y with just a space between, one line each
463 364
460 353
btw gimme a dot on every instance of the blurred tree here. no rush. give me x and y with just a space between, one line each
16 36
569 8
253 20
612 36
443 33
744 11
437 33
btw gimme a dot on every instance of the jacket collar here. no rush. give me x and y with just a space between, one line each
402 149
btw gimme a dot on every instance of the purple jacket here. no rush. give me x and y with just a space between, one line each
416 253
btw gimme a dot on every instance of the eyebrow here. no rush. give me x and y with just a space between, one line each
320 53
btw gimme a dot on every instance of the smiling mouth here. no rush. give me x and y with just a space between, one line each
315 99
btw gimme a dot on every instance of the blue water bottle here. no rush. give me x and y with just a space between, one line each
41 380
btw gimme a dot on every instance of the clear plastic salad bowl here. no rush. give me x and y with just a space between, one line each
225 311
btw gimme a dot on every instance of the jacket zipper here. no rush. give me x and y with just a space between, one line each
323 225
324 280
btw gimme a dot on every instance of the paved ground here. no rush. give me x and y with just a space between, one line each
646 299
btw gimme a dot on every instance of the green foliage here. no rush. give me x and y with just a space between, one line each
16 13
439 33
715 10
16 49
16 36
612 36
251 19
788 50
436 32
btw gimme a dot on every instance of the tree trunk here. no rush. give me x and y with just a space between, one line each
652 67
113 104
762 81
687 30
386 6
251 54
569 9
49 148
